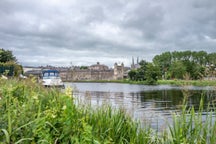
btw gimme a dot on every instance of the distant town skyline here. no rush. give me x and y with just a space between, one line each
58 32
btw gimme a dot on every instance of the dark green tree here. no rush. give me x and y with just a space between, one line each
152 73
142 70
211 59
8 64
7 56
133 75
177 70
84 67
163 61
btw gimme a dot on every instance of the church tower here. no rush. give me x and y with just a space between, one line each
118 71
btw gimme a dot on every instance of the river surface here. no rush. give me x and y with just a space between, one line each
147 104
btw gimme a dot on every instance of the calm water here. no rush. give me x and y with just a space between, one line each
147 104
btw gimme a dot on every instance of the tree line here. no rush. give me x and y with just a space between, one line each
176 65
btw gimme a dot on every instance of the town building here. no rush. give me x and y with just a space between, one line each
94 72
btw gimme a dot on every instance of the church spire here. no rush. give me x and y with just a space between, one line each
137 60
132 65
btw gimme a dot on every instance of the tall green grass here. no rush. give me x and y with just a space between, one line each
190 127
30 113
33 114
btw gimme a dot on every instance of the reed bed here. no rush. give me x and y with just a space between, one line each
30 113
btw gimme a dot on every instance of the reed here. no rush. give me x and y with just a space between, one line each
191 127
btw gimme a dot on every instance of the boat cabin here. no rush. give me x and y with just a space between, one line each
50 73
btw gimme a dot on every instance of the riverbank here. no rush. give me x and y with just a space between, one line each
31 113
159 82
188 82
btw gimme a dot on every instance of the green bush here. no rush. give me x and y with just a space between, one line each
10 69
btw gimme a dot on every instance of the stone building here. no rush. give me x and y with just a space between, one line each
118 71
94 72
99 67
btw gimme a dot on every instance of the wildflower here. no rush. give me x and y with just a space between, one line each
64 107
53 116
35 97
68 91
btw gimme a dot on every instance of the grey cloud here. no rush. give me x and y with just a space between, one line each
146 18
59 32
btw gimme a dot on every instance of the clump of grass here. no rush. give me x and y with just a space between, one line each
191 127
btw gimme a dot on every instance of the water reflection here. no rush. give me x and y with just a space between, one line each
147 104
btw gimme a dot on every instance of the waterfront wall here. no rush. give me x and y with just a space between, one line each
79 75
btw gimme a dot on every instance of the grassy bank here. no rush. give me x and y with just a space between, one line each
188 82
32 114
160 82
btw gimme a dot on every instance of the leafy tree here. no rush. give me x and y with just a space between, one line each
142 70
147 72
6 56
163 61
8 64
83 67
194 63
152 73
177 70
186 55
211 59
133 74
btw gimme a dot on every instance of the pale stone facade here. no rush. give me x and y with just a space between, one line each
94 72
118 71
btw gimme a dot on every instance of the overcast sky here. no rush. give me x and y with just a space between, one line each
83 32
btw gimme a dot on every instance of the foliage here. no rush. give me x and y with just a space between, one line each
188 126
163 61
84 67
33 114
10 69
176 64
152 73
6 56
8 64
147 72
133 75
177 70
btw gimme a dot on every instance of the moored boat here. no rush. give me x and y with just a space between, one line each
51 78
